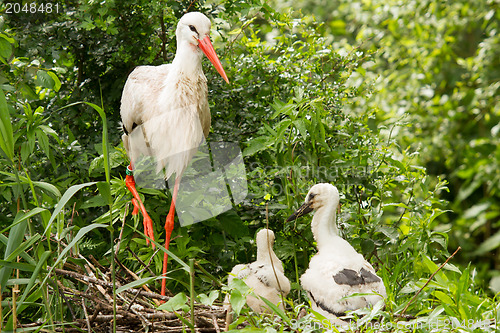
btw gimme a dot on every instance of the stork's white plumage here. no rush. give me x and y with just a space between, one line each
164 111
336 270
265 276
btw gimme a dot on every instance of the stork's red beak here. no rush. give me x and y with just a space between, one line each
206 46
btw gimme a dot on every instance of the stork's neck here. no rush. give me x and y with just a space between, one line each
187 60
266 254
324 225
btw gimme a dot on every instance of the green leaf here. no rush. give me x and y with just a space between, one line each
488 245
64 200
175 303
6 134
276 310
239 285
49 131
57 82
137 283
474 211
105 191
41 263
281 128
23 246
43 141
44 80
170 254
82 232
237 300
105 143
49 188
17 265
301 127
5 47
255 145
367 245
443 297
22 216
16 237
209 300
432 267
280 108
269 129
95 201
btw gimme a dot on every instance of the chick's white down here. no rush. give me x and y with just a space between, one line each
336 270
265 276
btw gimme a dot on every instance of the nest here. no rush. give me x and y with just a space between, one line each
136 309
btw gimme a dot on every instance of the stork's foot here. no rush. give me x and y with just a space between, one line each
148 228
138 205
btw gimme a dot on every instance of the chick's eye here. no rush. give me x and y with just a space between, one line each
192 28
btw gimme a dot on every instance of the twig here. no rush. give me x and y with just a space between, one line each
429 280
146 266
70 222
142 317
97 264
271 257
86 315
383 265
133 301
216 324
204 271
57 287
191 292
98 286
1 310
88 279
121 230
136 277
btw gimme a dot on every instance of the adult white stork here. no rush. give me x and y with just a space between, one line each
164 111
265 276
336 270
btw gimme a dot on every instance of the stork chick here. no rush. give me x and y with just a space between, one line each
265 276
336 270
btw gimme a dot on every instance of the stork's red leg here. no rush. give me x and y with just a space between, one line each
169 226
147 222
136 206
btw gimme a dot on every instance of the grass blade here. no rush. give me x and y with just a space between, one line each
41 262
136 283
82 232
64 200
15 239
6 133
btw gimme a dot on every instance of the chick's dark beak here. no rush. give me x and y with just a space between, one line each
303 210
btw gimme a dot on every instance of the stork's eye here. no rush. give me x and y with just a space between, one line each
311 196
193 28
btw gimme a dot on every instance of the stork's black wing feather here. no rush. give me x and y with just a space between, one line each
368 276
349 277
352 278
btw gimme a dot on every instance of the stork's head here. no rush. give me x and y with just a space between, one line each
265 237
319 195
194 27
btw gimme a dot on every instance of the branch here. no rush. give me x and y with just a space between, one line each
429 280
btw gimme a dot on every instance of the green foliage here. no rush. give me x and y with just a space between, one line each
436 65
